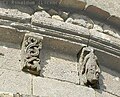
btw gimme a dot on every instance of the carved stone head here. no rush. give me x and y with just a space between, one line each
90 70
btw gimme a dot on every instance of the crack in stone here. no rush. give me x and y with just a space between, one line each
107 92
89 38
32 85
111 93
1 73
9 69
61 80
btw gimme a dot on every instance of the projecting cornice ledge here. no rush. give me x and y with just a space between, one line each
51 27
106 46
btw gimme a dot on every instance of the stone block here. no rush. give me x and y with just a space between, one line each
62 46
104 94
10 56
112 7
11 35
3 94
60 26
59 66
41 14
110 81
51 88
76 4
14 14
15 82
93 10
115 20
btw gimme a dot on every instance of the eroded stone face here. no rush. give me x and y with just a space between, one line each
30 52
90 70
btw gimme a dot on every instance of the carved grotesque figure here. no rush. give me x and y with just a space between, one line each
90 70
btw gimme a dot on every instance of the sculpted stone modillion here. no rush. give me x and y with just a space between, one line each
32 45
89 71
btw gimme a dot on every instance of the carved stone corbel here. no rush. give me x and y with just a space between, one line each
31 47
89 68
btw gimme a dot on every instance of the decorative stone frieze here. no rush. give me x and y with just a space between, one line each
31 47
89 68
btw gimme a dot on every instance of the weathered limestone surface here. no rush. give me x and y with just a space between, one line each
80 20
104 94
23 95
11 35
110 81
59 66
41 14
65 46
58 25
53 88
3 94
107 49
14 14
108 59
10 56
8 94
110 42
57 17
12 81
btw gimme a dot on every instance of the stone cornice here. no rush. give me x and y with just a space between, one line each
69 32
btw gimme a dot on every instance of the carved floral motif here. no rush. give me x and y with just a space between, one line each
31 53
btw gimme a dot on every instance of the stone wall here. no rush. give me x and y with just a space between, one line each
64 33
